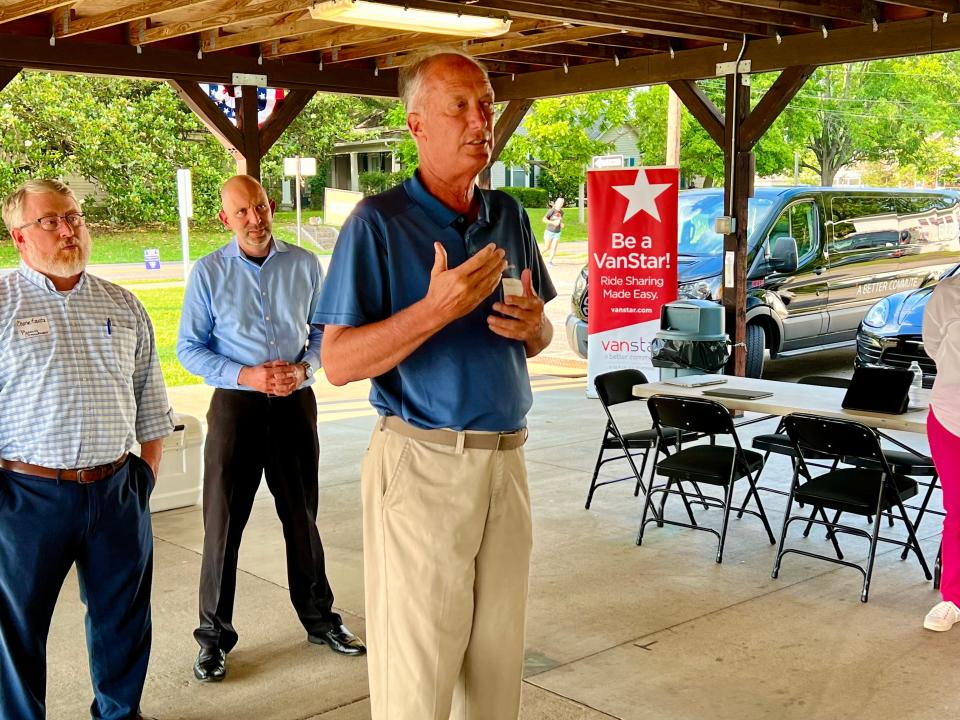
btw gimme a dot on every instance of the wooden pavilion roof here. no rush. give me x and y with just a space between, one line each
553 46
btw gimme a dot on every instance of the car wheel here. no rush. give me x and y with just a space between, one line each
756 344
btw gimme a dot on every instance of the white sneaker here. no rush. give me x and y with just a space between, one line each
942 617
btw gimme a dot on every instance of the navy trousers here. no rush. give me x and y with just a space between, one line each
45 527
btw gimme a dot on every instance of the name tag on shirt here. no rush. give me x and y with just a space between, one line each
33 326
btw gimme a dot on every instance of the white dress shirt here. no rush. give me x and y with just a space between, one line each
941 341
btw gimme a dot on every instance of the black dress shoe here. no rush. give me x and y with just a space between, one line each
340 640
211 666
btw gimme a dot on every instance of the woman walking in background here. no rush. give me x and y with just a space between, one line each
551 234
941 340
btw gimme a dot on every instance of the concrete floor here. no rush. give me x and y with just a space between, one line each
614 631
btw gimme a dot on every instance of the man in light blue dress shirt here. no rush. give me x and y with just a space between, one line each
247 329
80 383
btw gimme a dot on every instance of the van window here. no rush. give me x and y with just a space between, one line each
948 227
798 221
918 219
698 211
863 224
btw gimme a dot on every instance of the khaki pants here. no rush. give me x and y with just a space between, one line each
446 542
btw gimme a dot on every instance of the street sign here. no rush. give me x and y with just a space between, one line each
607 161
151 258
338 204
308 167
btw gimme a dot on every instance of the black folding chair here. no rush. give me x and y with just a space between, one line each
712 464
778 443
615 388
859 490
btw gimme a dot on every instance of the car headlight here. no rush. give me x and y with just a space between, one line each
705 289
877 315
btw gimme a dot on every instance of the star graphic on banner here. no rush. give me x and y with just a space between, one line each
642 196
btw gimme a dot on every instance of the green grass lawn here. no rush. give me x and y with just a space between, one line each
573 229
127 246
163 306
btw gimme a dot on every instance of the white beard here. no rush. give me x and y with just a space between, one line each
60 265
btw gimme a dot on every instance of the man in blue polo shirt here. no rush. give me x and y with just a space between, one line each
436 292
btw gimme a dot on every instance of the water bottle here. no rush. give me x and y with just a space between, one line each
916 385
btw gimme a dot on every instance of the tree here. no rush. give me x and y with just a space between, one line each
128 137
700 156
561 135
325 120
890 110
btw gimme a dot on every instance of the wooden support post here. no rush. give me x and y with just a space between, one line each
7 74
508 121
248 163
285 113
701 107
210 115
737 131
246 142
738 187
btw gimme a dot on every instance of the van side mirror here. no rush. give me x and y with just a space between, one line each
784 255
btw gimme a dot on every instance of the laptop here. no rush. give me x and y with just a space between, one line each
879 389
738 394
695 381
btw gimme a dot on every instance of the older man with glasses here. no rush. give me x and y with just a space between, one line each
80 383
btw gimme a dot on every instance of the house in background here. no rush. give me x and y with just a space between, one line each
377 153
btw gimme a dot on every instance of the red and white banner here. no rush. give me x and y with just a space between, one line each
632 255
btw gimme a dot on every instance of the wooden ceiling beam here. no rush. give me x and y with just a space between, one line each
684 8
7 74
510 68
228 13
66 25
857 12
524 42
162 63
285 113
701 107
363 51
214 40
621 40
538 57
507 123
19 10
209 114
519 42
342 35
589 50
939 6
621 15
411 42
777 97
529 9
901 38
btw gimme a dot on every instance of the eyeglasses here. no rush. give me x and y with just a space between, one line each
52 222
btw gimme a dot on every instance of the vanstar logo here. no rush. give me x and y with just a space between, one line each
622 346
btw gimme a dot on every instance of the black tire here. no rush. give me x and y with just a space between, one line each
756 344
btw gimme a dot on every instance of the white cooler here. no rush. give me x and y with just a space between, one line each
181 468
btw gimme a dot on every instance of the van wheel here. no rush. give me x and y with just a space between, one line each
756 344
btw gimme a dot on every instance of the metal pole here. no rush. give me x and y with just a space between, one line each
185 202
298 201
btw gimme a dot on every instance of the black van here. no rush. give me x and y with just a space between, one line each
818 259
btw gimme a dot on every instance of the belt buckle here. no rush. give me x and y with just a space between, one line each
82 471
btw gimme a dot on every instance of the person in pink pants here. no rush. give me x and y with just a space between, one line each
941 340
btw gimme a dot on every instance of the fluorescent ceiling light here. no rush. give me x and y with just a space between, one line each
362 12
